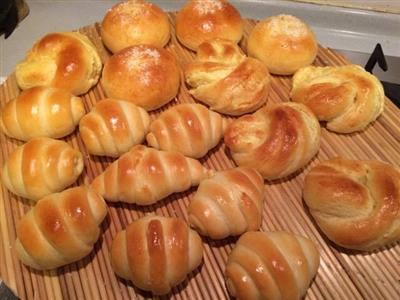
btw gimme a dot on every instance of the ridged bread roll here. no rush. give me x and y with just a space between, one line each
41 112
133 23
202 20
156 253
355 203
222 77
41 167
60 229
271 265
113 127
277 140
347 97
66 60
145 175
190 129
229 203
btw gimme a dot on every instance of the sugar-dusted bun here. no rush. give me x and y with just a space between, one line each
147 76
222 77
65 60
347 97
133 23
201 20
284 43
277 140
355 203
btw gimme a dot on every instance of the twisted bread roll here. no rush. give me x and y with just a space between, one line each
41 112
113 127
276 140
190 129
145 175
229 203
41 167
355 203
60 229
223 78
271 265
65 60
156 253
347 97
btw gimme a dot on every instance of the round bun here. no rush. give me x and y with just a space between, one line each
277 140
66 60
355 203
147 76
226 80
347 97
133 23
284 43
201 20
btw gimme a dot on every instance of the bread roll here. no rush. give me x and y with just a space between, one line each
41 167
62 228
222 77
156 253
271 265
65 60
284 43
347 97
145 175
41 112
190 129
202 20
147 76
133 23
229 203
113 127
355 203
277 140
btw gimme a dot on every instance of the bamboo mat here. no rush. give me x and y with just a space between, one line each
343 274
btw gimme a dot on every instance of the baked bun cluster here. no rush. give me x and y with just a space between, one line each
347 97
202 20
135 22
222 77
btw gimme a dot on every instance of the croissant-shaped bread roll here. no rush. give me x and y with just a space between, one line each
41 112
355 203
277 140
145 175
190 129
41 167
156 253
229 203
113 127
271 265
60 229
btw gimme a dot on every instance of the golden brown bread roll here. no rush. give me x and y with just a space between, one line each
355 203
41 167
284 43
277 140
222 77
145 175
65 60
190 129
133 23
60 229
202 20
113 127
347 97
156 253
41 112
271 265
147 76
229 203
